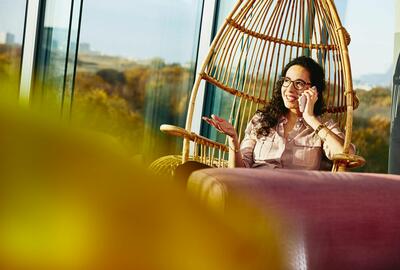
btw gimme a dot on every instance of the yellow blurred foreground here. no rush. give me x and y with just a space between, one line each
71 200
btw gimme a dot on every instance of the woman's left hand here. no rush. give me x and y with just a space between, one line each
312 97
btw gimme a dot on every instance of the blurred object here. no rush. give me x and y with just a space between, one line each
166 165
340 221
72 200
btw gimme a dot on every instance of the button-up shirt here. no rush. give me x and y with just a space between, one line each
302 149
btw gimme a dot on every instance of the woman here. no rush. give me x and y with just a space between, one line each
283 135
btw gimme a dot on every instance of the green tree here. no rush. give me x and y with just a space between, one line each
156 92
134 91
109 114
371 129
10 59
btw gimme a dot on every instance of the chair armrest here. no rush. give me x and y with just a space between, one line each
181 132
349 160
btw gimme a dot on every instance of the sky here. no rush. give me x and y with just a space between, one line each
12 15
372 28
144 29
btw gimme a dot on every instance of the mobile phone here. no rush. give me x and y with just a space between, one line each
302 103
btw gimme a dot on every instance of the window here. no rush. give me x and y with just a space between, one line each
136 69
373 61
55 61
12 19
215 100
371 57
394 157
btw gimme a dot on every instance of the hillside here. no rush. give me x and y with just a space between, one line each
375 102
371 128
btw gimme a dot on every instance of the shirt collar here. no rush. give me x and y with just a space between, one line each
283 120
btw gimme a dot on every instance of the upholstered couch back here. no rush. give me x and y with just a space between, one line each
342 220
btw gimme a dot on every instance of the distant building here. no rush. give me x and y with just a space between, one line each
85 49
54 39
7 38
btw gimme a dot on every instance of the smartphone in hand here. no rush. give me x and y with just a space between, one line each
302 103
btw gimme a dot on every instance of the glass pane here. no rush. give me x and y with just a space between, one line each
56 53
222 103
12 19
394 154
136 69
373 58
217 101
67 93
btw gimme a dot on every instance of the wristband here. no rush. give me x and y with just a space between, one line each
318 129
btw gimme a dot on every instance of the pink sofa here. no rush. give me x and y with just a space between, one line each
347 220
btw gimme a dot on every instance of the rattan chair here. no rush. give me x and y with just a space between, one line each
245 59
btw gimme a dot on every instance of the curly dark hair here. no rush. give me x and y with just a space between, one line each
270 114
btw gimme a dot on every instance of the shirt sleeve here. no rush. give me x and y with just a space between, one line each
247 145
334 127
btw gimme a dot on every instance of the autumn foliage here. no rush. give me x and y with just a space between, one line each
131 100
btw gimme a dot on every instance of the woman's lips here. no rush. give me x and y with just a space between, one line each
291 98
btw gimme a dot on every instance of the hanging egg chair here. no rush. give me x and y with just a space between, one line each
245 59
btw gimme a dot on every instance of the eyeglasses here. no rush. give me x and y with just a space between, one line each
298 84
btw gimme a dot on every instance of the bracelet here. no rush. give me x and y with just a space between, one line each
318 129
234 150
324 138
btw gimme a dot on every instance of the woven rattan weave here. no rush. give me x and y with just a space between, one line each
249 52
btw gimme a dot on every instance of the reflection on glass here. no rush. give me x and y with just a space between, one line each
67 93
12 17
56 53
217 101
135 70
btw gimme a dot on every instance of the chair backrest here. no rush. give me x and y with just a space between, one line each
252 47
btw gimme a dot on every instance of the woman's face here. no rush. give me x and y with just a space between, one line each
296 81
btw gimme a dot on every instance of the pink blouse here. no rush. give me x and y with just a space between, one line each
301 150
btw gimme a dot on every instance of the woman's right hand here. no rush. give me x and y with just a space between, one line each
221 125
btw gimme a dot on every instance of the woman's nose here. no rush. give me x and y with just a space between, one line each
291 88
